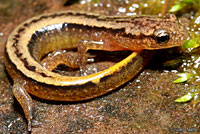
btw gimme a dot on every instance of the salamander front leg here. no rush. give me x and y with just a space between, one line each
82 56
24 99
85 45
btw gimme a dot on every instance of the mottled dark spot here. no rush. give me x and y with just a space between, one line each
25 24
147 19
43 74
16 41
19 54
21 30
31 68
34 20
17 36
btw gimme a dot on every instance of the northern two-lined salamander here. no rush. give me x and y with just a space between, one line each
66 30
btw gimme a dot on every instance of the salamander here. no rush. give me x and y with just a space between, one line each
65 30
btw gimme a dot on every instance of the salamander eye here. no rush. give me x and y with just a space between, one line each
161 36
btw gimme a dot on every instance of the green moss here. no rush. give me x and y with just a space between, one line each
183 77
185 98
192 95
191 44
181 4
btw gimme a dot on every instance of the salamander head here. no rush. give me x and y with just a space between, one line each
157 33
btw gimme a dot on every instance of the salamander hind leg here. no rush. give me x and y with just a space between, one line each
24 99
60 57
